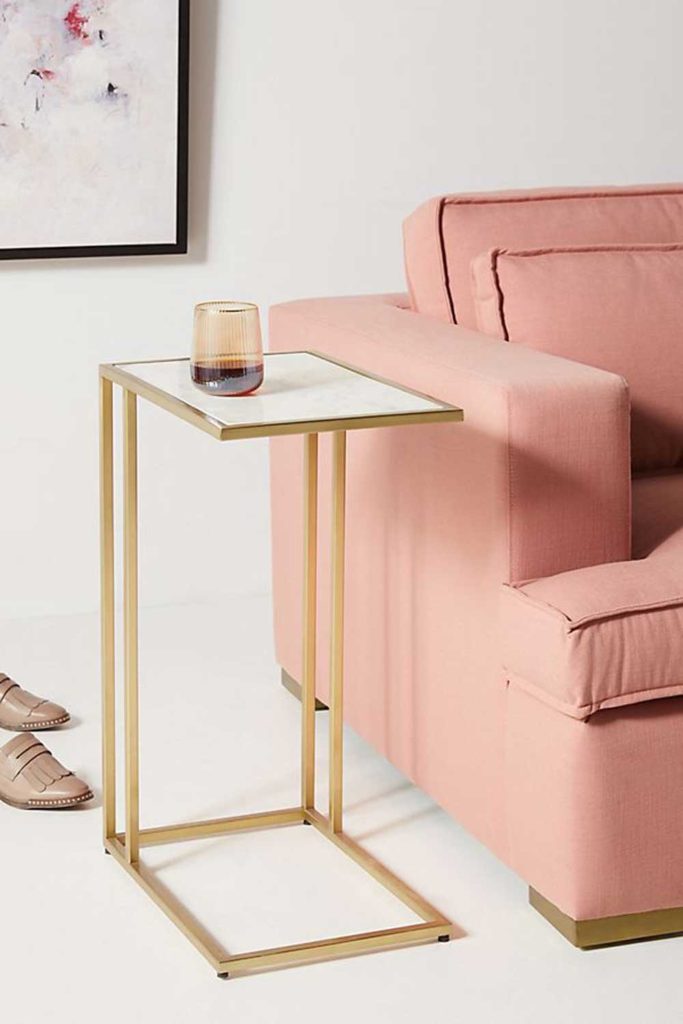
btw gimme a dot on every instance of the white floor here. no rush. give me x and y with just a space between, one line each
81 943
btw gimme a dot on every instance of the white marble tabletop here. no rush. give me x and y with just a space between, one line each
302 392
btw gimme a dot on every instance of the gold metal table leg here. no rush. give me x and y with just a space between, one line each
107 608
130 617
337 631
309 620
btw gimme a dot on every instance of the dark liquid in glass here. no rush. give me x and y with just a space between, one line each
228 376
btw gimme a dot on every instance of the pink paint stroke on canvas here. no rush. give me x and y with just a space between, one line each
76 22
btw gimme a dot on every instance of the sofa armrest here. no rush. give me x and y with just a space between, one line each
544 451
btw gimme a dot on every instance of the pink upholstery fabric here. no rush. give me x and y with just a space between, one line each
437 518
658 516
597 638
442 237
616 308
594 808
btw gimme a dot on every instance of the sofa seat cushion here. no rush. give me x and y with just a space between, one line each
443 236
600 637
657 516
614 307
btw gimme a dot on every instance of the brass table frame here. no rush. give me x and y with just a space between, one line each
125 846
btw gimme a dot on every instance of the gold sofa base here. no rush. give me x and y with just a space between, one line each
290 684
609 931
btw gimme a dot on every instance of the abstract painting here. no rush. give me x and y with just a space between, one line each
93 127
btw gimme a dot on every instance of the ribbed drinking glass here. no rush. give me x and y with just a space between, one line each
227 352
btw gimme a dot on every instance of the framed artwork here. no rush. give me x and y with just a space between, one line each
93 127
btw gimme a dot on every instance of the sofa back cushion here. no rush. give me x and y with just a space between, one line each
619 308
445 234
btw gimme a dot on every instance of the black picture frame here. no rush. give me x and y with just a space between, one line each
180 245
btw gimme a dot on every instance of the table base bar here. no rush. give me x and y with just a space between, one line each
433 927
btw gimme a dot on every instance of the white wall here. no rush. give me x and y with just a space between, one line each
316 126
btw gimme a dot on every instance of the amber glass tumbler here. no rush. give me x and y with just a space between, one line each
227 352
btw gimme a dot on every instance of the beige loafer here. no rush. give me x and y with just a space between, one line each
33 780
22 712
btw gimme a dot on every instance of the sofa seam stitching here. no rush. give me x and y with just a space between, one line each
495 253
455 200
624 612
606 249
588 620
590 708
444 260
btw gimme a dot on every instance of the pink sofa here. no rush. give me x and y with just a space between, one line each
514 590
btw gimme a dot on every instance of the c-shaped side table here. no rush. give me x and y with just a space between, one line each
304 393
